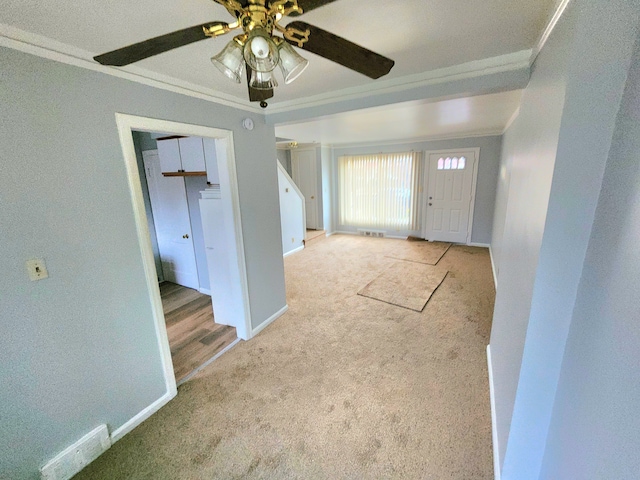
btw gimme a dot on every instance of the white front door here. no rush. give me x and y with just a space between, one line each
450 182
305 168
173 225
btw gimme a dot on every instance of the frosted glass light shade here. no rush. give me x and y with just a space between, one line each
262 80
291 64
230 61
260 51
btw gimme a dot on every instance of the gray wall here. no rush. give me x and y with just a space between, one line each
528 158
142 141
595 423
284 157
148 140
555 153
488 165
79 348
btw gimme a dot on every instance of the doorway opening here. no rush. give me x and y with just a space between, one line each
221 230
173 174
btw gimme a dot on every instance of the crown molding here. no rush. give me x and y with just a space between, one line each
44 47
477 68
547 31
17 39
494 132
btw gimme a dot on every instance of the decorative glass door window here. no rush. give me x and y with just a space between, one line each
454 163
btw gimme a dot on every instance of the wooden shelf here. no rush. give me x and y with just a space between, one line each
184 174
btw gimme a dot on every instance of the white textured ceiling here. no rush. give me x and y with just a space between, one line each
419 35
460 117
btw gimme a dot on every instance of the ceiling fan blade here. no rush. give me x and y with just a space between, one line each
344 52
308 5
154 46
255 94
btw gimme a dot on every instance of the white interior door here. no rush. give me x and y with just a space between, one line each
173 225
305 174
451 178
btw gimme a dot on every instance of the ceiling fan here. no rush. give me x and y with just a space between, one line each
257 49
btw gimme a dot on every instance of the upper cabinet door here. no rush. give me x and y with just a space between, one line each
192 154
169 154
211 160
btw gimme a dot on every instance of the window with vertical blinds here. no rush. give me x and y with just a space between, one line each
379 190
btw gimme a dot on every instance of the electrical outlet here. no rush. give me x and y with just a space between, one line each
37 269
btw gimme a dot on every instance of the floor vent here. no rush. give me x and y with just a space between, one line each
77 456
371 233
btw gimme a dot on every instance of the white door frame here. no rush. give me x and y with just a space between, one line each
125 124
425 185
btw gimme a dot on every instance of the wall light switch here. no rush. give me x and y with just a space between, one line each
37 269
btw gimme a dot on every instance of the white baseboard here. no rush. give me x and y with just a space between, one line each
345 232
493 269
476 244
120 432
494 427
268 321
295 250
205 291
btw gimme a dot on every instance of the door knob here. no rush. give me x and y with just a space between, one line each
430 204
186 235
312 197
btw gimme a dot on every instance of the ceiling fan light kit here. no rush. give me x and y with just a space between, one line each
258 49
262 80
230 60
291 64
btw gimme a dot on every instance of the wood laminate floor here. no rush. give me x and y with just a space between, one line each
194 338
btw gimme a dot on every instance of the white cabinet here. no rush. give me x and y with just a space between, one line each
192 154
184 154
211 159
169 153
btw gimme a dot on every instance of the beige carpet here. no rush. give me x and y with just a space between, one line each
420 251
340 387
405 284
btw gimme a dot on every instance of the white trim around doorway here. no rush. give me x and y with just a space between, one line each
125 125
